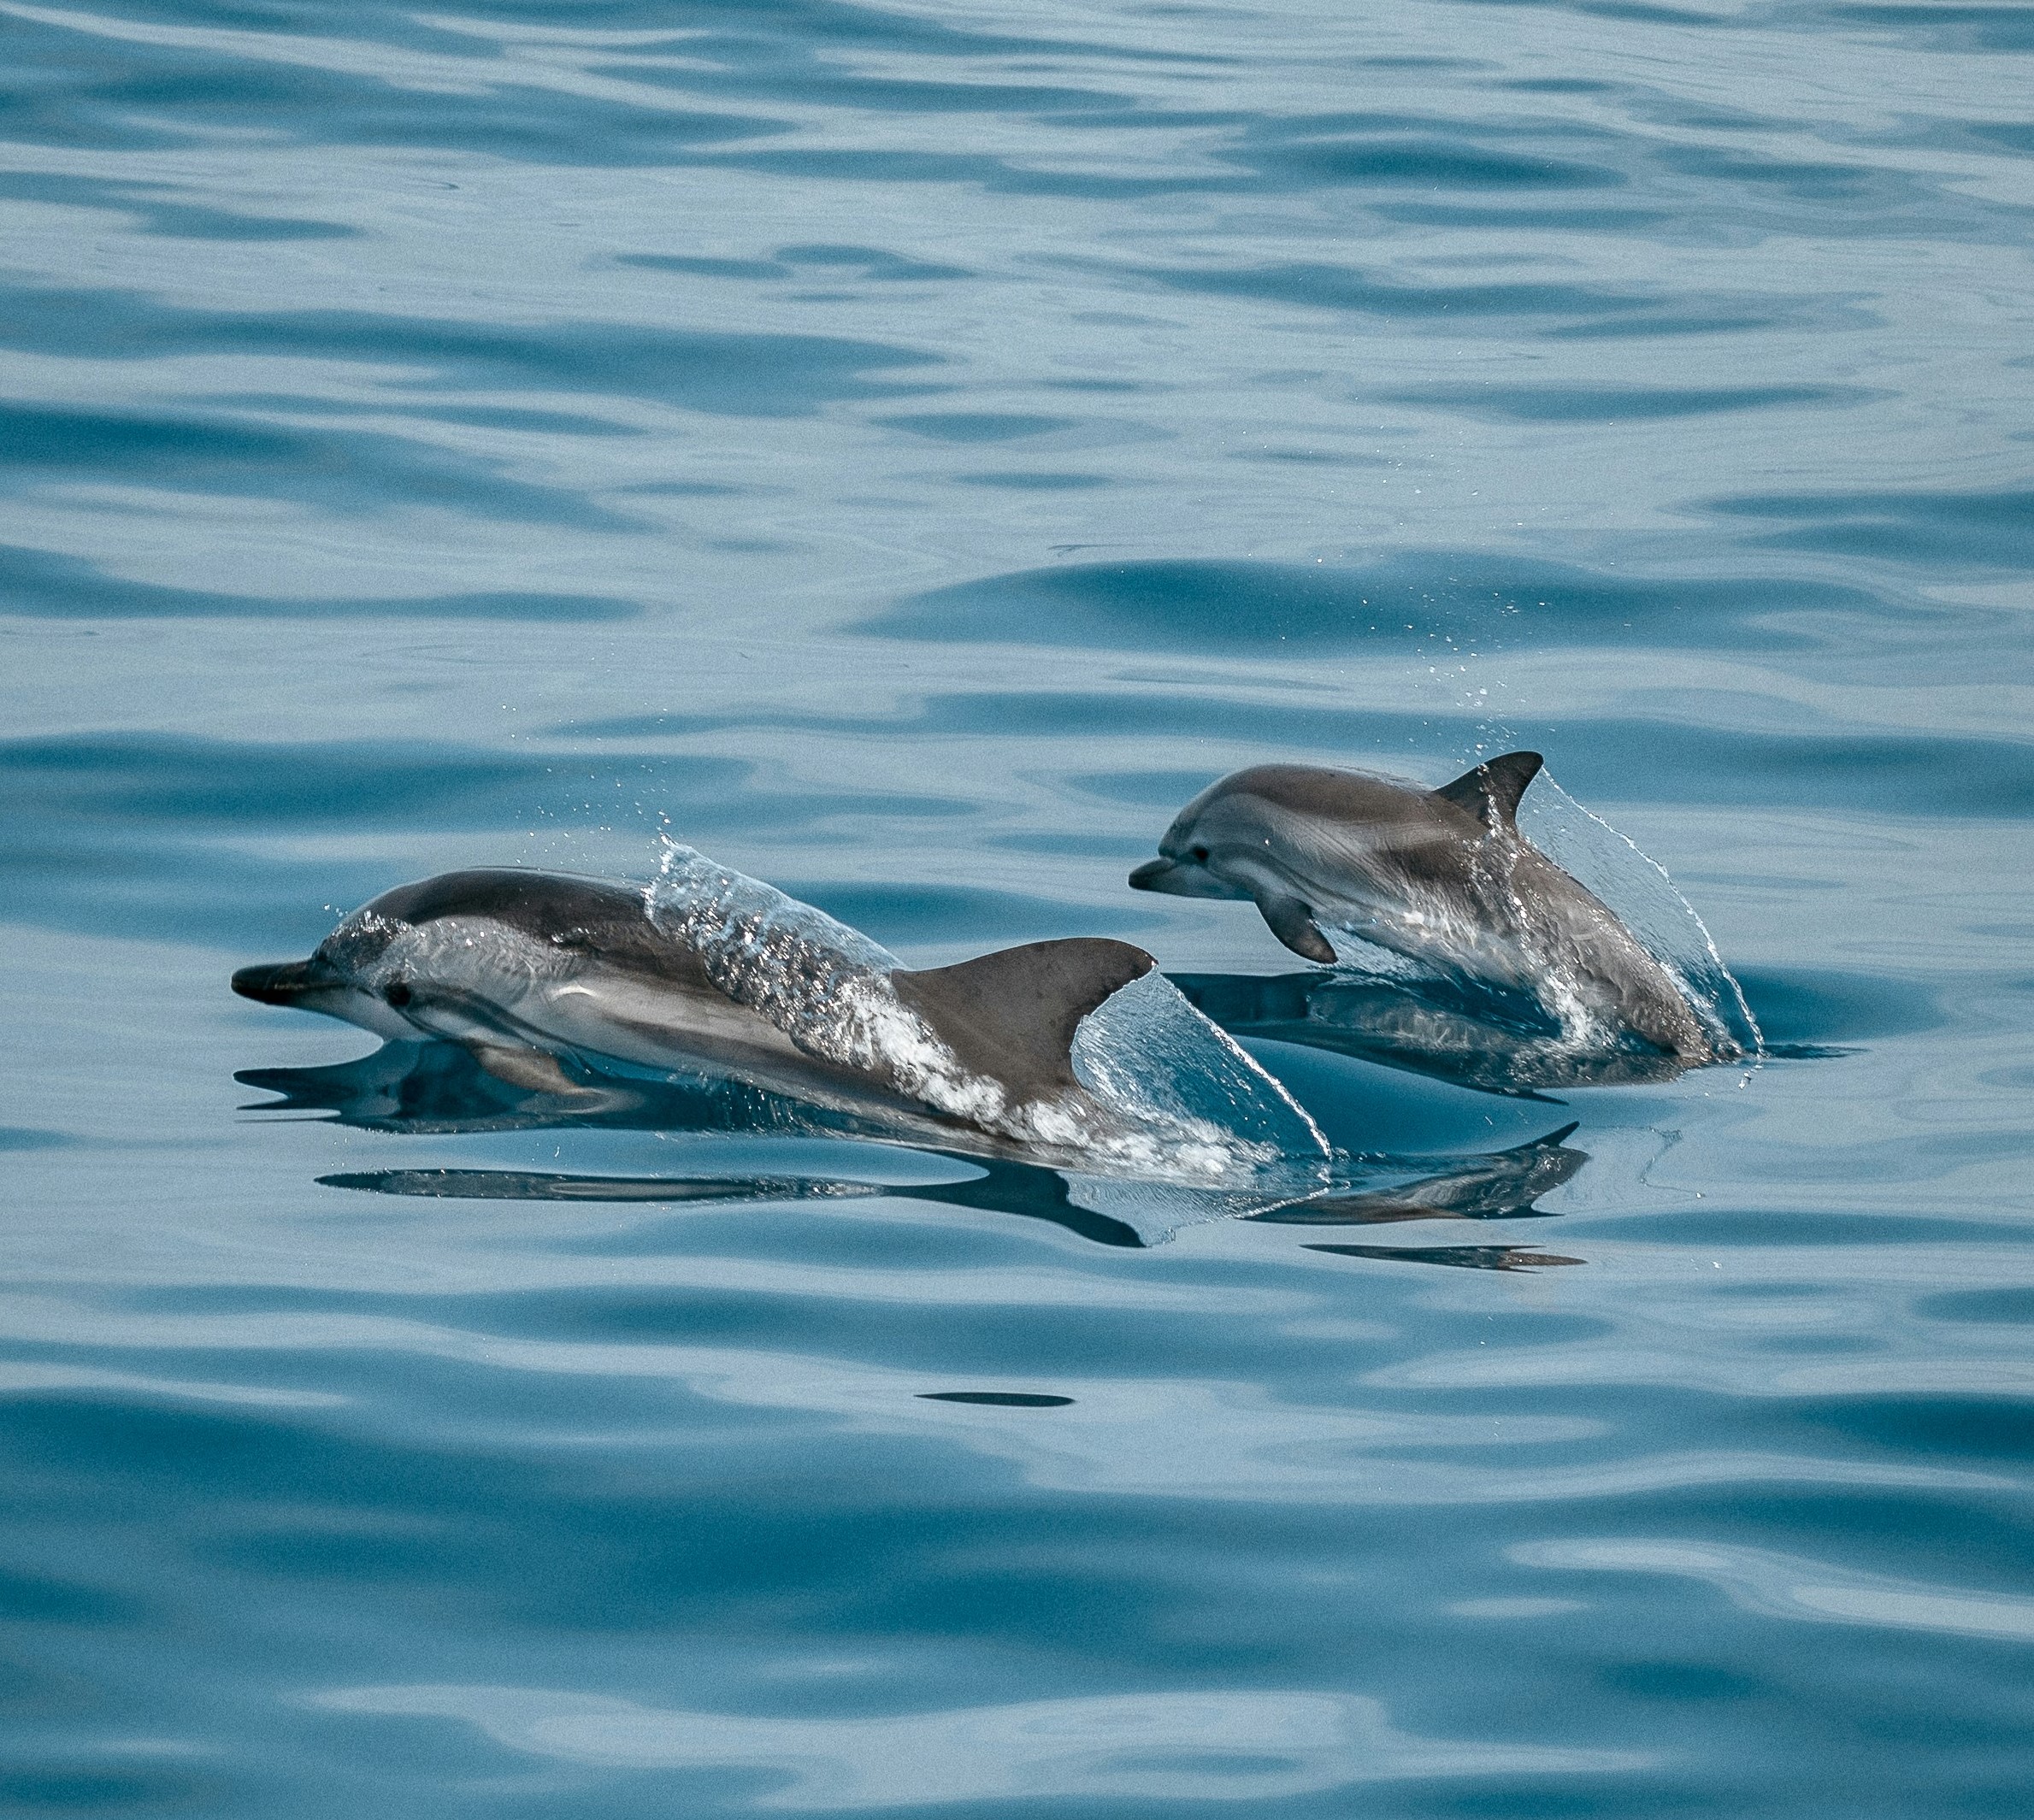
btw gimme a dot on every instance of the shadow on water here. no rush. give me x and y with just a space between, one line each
439 1089
1020 1188
1503 1185
1460 1256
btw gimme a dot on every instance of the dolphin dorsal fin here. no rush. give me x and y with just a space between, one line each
1011 1015
1490 792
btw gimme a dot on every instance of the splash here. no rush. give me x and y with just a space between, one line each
1522 974
1168 1095
825 985
1645 898
1167 1070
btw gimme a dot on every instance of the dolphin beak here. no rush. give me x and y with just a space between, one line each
1183 878
278 982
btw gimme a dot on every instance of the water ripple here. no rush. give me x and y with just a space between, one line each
1199 1746
912 450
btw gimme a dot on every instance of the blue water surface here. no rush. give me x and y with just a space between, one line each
905 450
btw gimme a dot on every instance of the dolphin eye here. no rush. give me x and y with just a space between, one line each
397 993
1198 855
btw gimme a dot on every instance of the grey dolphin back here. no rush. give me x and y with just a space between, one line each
1491 791
1011 1015
594 916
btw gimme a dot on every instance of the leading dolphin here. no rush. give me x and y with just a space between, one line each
727 976
1442 876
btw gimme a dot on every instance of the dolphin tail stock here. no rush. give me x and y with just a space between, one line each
1011 1015
1490 790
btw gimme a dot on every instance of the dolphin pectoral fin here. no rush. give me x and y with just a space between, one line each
1292 923
531 1070
1491 792
1011 1016
537 1071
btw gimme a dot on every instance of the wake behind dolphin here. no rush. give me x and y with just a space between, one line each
1441 877
1077 1049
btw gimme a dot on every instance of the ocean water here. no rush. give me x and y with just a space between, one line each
904 450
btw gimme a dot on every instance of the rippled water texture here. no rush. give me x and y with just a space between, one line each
906 451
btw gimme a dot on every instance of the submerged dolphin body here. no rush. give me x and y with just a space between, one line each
1441 876
728 977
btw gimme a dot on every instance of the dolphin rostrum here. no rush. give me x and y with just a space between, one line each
717 972
1441 876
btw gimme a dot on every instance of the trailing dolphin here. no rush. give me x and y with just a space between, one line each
1441 876
707 970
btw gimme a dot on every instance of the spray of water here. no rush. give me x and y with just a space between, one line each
1168 1093
1639 889
1525 979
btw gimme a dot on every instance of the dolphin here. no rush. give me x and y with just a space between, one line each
1441 876
521 966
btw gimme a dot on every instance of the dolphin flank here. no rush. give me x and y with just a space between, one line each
1441 876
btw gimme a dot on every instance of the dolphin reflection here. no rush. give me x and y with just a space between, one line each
1461 1257
428 1088
1424 1026
1022 1189
1502 1185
